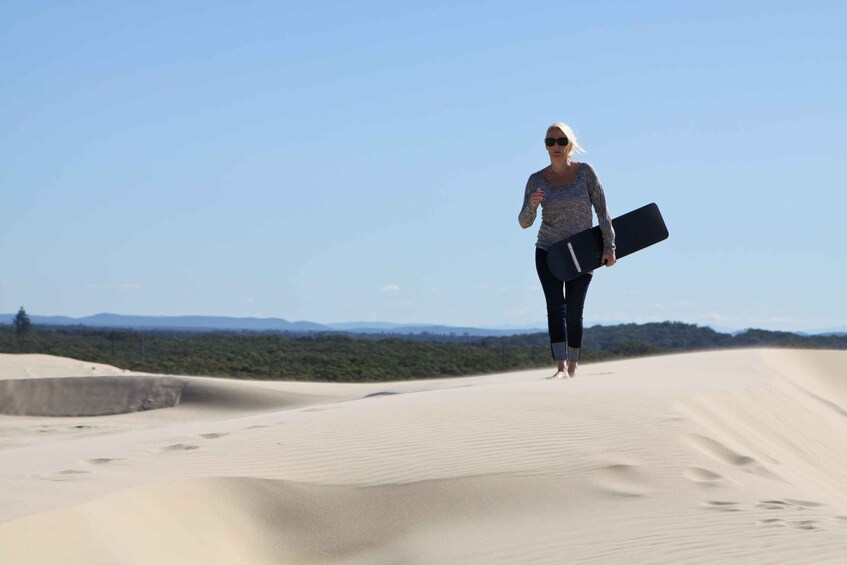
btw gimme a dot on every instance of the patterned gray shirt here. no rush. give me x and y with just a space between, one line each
566 210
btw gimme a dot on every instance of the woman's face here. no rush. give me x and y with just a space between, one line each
558 151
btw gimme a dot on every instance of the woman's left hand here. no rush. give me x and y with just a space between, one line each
609 258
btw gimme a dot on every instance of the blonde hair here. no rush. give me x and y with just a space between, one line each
569 133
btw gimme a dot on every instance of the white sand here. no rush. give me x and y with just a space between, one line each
719 457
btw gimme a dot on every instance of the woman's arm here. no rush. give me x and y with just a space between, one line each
528 211
598 200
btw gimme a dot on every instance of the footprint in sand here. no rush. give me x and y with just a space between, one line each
804 503
67 474
723 454
377 394
796 524
212 435
704 477
99 461
788 504
723 506
622 480
175 447
802 524
257 427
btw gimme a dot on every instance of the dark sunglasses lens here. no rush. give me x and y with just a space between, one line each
562 141
550 142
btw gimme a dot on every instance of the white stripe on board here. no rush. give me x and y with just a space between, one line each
573 256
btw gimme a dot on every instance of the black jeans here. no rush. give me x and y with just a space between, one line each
564 309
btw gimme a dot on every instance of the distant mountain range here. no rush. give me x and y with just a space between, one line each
212 323
840 330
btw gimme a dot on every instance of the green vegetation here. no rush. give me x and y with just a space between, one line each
369 357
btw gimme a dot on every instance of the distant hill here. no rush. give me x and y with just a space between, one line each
418 329
187 323
212 323
223 323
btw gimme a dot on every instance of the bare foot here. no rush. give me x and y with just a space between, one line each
571 369
558 376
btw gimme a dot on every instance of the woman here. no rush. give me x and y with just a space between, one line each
566 191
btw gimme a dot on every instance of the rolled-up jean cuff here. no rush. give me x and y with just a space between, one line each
574 353
560 351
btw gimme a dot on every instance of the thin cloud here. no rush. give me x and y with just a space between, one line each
390 288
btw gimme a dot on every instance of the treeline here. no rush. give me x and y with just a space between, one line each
372 357
324 357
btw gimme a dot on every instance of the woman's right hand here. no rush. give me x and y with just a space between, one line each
536 198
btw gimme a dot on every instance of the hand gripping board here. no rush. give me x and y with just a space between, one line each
582 252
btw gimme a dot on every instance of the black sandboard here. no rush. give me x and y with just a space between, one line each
582 252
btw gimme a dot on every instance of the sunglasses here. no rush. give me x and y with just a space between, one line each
551 141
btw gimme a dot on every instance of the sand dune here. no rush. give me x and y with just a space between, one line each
34 366
88 397
718 457
106 395
42 385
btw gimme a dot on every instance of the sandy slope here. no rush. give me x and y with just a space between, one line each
719 457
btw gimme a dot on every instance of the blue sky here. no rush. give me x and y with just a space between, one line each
341 161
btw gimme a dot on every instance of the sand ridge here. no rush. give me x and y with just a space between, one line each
716 457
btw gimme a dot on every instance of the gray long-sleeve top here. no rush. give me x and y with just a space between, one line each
566 210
